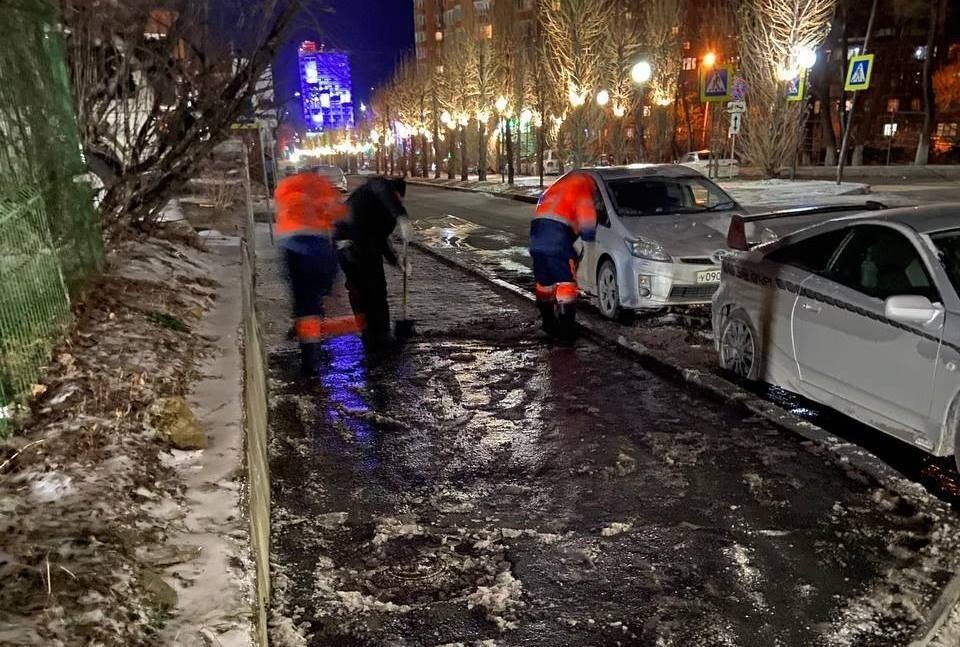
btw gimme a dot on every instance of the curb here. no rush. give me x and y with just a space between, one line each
721 389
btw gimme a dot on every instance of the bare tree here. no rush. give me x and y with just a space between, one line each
575 33
661 28
511 58
155 90
621 47
481 88
937 10
772 35
454 88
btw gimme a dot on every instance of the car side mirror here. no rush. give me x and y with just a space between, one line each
912 309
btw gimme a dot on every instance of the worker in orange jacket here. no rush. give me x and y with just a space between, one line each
566 211
308 209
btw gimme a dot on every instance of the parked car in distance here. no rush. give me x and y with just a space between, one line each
334 174
551 162
859 313
700 160
660 236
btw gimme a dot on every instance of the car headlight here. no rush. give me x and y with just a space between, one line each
648 249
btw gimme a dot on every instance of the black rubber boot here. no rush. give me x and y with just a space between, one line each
548 315
309 359
566 331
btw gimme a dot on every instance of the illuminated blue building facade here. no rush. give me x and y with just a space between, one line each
326 89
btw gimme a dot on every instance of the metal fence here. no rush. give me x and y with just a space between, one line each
50 239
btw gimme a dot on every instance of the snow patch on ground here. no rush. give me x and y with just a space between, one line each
499 600
615 528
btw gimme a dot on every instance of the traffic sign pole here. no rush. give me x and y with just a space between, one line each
853 100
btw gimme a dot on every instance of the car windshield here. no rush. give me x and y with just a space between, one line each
654 196
948 246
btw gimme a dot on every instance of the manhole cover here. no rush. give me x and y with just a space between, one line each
422 568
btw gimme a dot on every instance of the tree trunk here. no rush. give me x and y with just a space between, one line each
509 153
828 136
857 159
482 161
929 100
463 153
425 155
451 154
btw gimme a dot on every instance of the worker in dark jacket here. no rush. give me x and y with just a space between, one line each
363 243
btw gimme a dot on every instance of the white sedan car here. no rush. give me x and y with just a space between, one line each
700 160
861 314
660 235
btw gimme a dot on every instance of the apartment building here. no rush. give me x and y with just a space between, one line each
434 19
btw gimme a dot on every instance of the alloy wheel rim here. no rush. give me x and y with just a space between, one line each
608 291
738 350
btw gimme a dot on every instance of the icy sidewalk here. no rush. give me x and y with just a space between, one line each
479 485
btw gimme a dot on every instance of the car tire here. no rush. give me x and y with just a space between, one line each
739 347
956 449
608 291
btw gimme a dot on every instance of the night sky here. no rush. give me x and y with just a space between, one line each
375 33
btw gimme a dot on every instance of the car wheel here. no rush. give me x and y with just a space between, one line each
739 350
608 292
956 449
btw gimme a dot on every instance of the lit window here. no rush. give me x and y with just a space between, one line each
889 130
893 105
486 32
690 63
946 129
438 36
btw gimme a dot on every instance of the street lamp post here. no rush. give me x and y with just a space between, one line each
806 58
501 106
641 73
603 98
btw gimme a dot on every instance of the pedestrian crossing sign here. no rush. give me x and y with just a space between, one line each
716 84
858 74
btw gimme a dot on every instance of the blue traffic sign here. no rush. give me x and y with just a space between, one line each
859 72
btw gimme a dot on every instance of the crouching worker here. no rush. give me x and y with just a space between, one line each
363 244
566 211
308 209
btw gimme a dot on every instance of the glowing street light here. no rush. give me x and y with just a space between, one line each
603 98
501 104
526 116
709 59
619 111
806 56
363 107
641 72
446 119
577 99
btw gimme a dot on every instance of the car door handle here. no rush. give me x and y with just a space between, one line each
809 307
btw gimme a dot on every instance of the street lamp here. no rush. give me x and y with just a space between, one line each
603 98
501 104
709 59
641 72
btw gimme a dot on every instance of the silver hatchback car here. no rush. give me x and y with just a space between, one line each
861 314
660 238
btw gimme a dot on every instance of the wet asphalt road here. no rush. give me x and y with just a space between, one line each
477 484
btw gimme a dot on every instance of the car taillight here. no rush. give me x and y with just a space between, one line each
737 234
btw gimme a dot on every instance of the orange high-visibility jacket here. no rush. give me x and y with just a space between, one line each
307 204
570 201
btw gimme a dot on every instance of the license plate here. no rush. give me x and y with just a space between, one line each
710 276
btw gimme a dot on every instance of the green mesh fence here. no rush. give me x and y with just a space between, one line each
50 240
